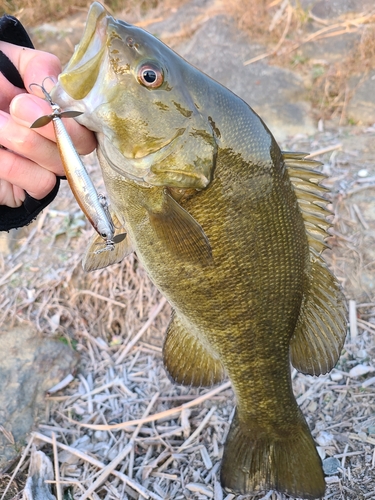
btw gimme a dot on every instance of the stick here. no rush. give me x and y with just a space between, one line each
93 461
26 451
148 323
353 319
279 43
97 296
198 430
319 152
10 272
56 464
156 416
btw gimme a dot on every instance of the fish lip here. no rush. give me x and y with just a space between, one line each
79 76
96 24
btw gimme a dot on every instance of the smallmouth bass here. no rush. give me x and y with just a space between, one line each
229 228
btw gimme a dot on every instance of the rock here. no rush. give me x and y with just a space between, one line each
331 466
219 49
335 8
324 438
40 471
30 364
330 50
361 108
360 370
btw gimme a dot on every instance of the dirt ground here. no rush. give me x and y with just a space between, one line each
120 428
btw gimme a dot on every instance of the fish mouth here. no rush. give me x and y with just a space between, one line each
81 73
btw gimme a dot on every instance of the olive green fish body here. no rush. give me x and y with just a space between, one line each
229 228
242 308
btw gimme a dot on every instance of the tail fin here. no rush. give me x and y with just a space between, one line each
289 465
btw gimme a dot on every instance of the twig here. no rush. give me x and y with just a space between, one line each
198 430
57 469
279 43
25 452
156 416
107 470
90 407
10 272
366 325
128 448
319 152
63 383
353 319
97 296
186 443
148 323
360 217
93 461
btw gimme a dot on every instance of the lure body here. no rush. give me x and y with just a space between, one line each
92 204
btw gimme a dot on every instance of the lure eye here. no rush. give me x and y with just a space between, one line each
150 76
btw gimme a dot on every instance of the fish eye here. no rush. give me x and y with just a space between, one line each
150 75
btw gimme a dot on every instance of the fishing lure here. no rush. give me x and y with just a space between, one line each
93 205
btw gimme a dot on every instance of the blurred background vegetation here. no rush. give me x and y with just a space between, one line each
34 12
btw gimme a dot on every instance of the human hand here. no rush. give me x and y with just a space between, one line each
31 160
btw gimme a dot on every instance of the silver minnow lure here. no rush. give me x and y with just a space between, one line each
93 205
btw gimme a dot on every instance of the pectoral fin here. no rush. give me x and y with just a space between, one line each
180 232
187 360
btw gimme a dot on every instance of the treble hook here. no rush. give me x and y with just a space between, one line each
56 110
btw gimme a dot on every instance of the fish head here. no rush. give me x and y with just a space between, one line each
142 100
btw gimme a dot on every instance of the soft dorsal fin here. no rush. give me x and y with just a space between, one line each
321 328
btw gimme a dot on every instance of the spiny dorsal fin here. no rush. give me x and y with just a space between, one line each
311 197
187 360
321 328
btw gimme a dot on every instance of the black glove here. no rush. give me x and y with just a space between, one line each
12 31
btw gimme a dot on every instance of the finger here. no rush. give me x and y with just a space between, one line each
33 65
25 174
28 143
11 196
25 109
8 91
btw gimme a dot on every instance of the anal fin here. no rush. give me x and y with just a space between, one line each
187 360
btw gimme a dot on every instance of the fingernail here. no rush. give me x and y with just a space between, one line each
4 117
26 109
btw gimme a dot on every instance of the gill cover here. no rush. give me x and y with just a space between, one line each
131 89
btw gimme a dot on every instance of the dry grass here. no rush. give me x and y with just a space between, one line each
284 27
34 12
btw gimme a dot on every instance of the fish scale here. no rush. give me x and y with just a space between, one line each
231 231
